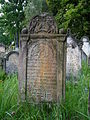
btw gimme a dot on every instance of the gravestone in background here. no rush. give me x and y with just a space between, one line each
2 52
11 62
1 63
42 61
89 61
86 45
73 62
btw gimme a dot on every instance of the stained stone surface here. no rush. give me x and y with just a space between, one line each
42 61
41 71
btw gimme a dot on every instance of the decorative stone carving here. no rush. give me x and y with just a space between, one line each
42 61
43 23
24 31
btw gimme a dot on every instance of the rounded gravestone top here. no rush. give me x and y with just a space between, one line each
43 23
85 39
71 42
24 31
10 53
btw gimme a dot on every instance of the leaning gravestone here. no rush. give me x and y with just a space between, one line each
42 61
11 62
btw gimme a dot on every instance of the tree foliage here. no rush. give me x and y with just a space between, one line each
4 38
12 15
35 7
74 14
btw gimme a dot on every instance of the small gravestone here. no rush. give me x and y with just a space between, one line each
11 62
73 62
42 61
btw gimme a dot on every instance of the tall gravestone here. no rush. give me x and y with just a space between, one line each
42 61
73 61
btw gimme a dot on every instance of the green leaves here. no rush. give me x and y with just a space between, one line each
72 14
12 16
33 8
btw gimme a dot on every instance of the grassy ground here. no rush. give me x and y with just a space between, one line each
74 108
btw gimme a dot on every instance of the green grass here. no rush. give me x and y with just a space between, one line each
75 106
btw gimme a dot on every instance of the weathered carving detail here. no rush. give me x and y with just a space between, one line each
41 59
24 31
43 23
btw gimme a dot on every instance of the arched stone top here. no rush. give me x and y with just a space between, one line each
10 53
71 42
43 23
85 39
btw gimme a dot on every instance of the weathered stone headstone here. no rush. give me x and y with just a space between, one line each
11 62
73 62
42 61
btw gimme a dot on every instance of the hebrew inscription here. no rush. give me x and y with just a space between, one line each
41 71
